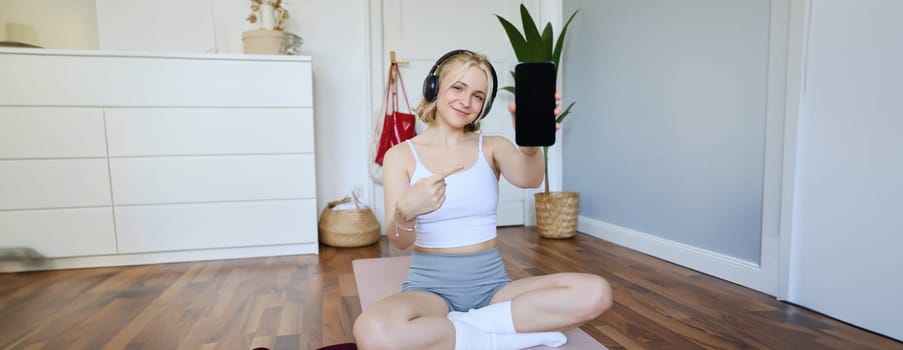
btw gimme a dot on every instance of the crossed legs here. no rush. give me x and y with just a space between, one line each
418 320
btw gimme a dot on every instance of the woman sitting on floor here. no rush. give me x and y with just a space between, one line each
441 196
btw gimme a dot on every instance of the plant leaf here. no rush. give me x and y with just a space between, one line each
564 114
511 87
531 35
547 40
556 57
518 43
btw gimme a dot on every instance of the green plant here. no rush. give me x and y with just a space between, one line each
531 46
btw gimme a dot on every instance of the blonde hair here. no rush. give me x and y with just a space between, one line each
426 110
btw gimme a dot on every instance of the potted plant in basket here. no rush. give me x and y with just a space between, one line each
268 37
556 212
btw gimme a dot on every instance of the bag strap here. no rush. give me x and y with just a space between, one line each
394 89
403 91
390 83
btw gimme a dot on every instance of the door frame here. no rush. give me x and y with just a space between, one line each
549 11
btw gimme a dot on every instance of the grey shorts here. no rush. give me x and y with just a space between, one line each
465 281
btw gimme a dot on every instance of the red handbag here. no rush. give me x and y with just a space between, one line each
398 126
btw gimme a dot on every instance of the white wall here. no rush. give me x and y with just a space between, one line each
841 221
675 145
70 24
335 35
161 26
847 228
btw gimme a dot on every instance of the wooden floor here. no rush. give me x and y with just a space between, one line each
304 302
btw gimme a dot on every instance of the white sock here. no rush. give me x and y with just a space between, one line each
496 322
495 318
528 340
468 337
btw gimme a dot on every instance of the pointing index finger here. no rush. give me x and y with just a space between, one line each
443 174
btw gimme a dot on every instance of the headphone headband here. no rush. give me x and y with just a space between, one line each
431 83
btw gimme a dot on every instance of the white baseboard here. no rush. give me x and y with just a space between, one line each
726 267
159 257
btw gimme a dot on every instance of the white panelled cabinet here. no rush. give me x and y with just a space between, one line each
119 158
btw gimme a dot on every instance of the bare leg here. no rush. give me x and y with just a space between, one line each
555 302
407 320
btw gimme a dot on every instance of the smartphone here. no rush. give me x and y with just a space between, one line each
534 96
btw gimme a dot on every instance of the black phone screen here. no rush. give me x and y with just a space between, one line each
534 96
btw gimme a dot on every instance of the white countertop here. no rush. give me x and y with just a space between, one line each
149 54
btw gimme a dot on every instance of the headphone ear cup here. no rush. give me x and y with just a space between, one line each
486 110
431 87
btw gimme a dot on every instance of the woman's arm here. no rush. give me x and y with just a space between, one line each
404 202
523 167
396 182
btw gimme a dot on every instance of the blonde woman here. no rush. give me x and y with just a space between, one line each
441 195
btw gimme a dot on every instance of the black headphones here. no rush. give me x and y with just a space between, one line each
431 83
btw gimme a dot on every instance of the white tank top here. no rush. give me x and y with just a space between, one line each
468 214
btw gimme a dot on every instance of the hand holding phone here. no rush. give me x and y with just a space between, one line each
534 97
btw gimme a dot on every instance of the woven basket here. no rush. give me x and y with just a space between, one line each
262 42
556 214
348 228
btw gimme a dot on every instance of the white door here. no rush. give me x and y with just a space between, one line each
421 31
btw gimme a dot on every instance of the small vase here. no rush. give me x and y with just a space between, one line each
291 45
267 16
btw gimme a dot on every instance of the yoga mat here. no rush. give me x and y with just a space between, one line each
378 278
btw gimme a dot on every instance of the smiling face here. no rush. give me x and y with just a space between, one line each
462 95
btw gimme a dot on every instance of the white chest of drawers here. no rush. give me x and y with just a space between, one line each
116 159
